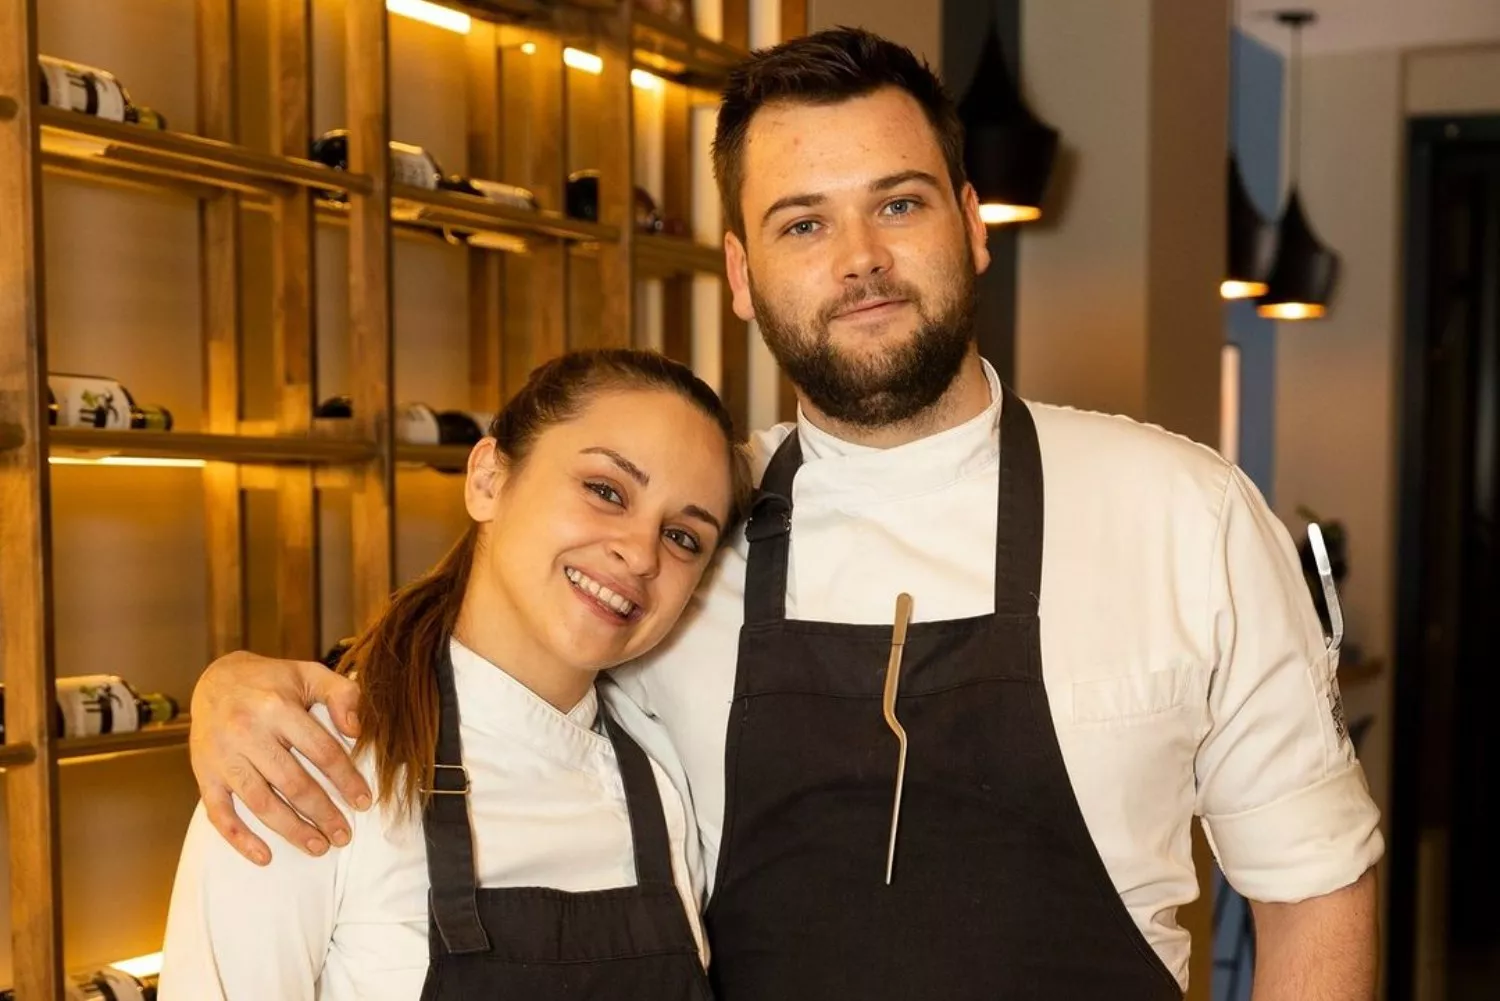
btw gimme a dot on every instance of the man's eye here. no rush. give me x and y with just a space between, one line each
805 227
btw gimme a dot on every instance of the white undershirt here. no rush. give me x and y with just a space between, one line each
547 807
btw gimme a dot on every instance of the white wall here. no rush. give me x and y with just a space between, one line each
1336 410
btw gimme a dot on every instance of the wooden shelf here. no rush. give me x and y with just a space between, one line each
460 211
673 256
149 738
505 10
89 443
664 47
81 144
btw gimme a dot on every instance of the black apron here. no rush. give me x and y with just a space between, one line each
998 892
542 944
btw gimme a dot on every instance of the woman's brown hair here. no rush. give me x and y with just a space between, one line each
394 658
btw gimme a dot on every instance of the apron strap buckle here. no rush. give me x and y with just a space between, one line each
772 517
449 786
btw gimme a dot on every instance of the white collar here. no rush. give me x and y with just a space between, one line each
493 703
835 468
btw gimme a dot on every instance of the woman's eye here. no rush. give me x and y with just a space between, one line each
686 540
604 492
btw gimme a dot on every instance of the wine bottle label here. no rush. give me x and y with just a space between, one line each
505 194
119 985
90 401
414 166
75 87
96 704
416 424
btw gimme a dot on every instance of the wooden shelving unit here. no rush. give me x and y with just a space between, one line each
542 283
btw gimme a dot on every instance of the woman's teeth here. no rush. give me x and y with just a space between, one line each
585 583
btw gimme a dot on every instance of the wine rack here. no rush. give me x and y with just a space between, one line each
530 276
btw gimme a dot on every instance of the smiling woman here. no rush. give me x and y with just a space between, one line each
598 498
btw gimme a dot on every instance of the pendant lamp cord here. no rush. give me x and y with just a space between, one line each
1296 123
1234 62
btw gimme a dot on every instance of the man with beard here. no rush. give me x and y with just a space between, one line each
1108 630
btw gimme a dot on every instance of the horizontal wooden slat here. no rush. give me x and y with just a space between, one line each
663 46
89 443
451 208
668 256
215 163
173 734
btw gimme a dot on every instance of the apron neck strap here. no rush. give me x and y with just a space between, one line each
648 821
1018 524
452 895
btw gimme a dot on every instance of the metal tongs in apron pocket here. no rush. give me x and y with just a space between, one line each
892 684
1330 589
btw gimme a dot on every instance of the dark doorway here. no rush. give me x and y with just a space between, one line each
1445 886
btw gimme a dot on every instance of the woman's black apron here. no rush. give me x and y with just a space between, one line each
541 944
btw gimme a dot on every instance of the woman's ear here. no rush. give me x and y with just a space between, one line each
483 480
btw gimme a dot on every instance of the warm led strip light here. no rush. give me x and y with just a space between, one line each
141 966
128 460
644 80
585 61
431 13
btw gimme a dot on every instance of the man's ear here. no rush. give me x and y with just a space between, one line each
975 229
737 269
483 480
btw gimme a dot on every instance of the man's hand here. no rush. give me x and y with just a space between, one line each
1322 949
248 714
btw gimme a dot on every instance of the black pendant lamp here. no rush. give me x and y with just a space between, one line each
1008 151
1251 242
1305 271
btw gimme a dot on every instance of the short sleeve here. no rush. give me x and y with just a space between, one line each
1284 801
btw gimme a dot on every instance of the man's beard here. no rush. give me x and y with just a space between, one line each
887 389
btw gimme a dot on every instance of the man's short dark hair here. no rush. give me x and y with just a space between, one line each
825 68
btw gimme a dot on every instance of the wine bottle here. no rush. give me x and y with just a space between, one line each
99 402
512 195
108 984
419 424
154 707
97 704
150 418
92 91
410 165
583 202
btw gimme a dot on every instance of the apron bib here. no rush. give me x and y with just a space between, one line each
541 944
998 892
